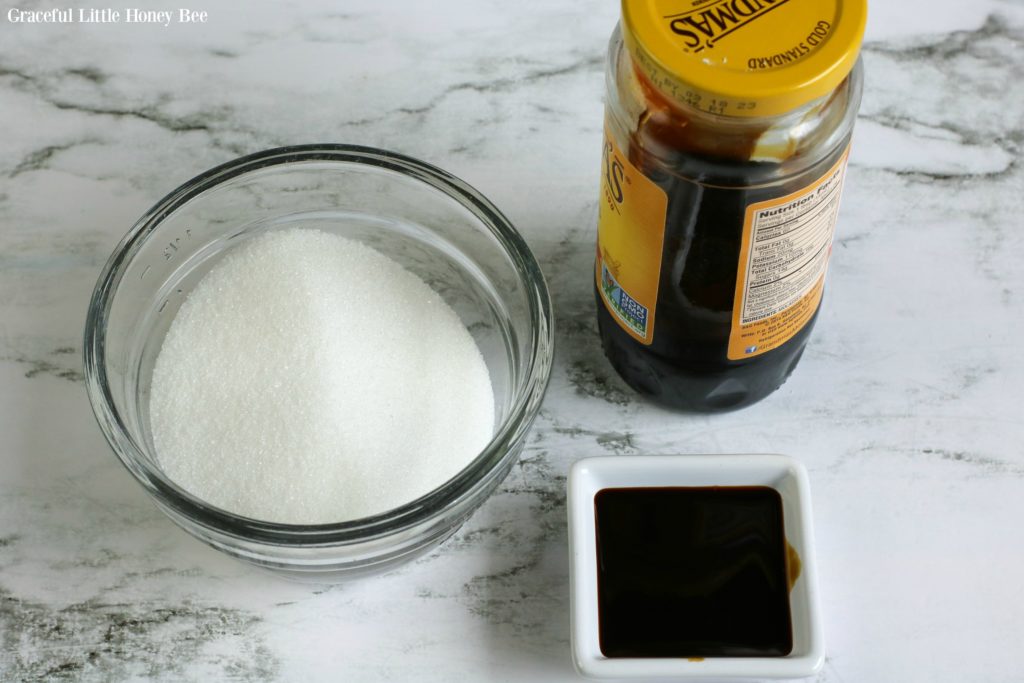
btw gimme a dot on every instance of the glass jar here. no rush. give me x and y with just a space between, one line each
727 129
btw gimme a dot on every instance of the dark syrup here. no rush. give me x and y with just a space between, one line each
693 572
709 180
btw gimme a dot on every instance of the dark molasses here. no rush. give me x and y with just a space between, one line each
692 572
686 364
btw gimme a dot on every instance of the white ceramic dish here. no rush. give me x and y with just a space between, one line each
787 476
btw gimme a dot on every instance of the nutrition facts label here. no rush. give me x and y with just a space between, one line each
786 245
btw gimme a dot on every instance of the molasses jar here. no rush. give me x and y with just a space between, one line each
727 129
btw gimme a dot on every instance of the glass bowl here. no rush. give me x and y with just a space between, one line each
428 221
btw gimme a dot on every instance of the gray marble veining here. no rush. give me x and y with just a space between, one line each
906 407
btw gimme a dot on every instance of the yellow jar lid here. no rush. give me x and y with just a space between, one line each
744 58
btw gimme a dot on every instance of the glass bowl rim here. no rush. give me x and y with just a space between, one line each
527 398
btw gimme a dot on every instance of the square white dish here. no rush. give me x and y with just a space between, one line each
785 475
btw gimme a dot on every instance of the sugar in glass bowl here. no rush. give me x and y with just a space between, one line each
429 222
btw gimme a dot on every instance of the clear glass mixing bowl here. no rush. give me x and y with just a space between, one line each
430 222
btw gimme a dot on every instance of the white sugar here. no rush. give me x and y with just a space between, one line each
310 379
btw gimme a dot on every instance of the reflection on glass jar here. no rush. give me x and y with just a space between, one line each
727 130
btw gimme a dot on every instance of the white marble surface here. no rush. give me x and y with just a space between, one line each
906 407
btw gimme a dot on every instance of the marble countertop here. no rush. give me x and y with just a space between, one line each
907 407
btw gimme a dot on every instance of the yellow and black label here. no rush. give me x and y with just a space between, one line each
783 258
630 235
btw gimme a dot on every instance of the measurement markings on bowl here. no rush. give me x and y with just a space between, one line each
172 246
